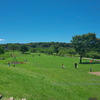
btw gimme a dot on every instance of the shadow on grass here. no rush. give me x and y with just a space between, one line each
93 98
95 62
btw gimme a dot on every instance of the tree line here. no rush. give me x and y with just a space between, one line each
40 47
85 45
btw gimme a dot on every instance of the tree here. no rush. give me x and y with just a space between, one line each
98 46
84 43
33 50
71 51
13 47
23 48
1 50
56 49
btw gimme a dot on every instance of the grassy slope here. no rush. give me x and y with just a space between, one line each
42 78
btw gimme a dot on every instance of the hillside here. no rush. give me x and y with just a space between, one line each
43 78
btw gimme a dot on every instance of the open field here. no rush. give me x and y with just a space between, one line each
43 78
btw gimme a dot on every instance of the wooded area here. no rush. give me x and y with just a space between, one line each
86 45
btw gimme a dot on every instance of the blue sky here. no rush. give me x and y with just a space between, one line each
25 21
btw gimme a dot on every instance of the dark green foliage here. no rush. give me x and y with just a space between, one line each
33 50
71 51
81 43
62 53
56 48
48 44
98 45
94 55
13 47
49 51
1 50
84 43
43 47
67 51
23 48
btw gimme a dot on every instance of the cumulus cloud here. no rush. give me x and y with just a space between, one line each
2 40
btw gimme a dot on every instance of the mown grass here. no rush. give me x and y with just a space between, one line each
42 78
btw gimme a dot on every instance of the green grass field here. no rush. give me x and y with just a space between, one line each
42 78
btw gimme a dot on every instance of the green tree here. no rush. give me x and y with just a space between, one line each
49 51
84 43
71 51
1 50
98 45
23 48
33 50
13 47
56 49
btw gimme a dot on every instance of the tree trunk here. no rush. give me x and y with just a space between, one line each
80 60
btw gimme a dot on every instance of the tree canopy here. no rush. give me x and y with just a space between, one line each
23 48
84 43
13 47
1 50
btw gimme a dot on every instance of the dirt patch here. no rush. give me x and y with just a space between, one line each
16 62
95 73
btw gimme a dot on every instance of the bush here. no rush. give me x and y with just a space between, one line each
32 50
93 55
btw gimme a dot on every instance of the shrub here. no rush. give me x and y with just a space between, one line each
93 55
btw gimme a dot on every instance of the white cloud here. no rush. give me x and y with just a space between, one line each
2 40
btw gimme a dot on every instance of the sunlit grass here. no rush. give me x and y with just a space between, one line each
43 78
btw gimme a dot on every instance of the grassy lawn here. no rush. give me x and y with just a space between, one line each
42 78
